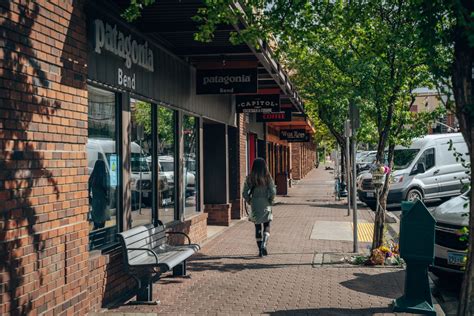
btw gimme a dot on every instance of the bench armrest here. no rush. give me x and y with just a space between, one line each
180 233
145 249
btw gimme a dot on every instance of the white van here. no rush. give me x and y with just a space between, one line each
104 149
425 170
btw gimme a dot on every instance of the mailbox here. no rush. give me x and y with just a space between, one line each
417 233
417 237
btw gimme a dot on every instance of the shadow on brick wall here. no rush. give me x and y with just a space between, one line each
22 162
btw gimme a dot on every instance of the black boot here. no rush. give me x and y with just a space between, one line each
266 235
260 249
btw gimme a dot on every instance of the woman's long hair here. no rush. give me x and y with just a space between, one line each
259 176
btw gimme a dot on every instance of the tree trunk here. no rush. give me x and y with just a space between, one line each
466 301
379 223
464 96
464 110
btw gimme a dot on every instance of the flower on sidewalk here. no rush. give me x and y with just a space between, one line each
385 254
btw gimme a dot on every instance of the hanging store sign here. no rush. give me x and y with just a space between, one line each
294 135
257 103
226 81
284 116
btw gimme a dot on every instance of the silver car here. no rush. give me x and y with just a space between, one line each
450 248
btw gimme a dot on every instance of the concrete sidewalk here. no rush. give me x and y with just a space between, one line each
227 276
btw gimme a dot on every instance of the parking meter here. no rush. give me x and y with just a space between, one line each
417 237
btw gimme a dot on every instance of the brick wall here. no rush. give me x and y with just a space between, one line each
107 281
218 214
195 227
43 180
296 173
303 159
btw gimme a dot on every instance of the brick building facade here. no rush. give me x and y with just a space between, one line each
47 262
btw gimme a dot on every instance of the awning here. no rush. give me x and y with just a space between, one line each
170 24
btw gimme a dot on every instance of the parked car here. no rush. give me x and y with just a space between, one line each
450 250
365 161
360 155
425 170
166 166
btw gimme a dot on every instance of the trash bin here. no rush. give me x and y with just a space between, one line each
281 182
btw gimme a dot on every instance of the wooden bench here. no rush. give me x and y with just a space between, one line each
147 254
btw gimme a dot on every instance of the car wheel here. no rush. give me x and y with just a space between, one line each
413 195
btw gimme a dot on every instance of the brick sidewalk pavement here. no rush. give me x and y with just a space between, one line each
227 276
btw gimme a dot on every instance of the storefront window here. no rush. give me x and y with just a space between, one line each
103 165
166 164
190 168
140 159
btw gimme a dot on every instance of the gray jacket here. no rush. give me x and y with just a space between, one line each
261 200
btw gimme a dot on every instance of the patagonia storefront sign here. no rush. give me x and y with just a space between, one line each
226 81
108 38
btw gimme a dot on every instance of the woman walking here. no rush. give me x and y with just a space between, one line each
259 191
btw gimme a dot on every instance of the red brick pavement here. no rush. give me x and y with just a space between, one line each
227 277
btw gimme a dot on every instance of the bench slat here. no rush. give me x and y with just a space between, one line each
168 259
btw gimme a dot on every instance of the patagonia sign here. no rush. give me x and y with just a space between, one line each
108 38
257 103
226 81
284 116
294 135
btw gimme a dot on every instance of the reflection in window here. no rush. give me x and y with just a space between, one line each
140 159
190 155
166 164
103 167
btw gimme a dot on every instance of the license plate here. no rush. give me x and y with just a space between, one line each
456 258
370 194
145 194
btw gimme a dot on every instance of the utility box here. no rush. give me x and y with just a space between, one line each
281 182
417 238
417 234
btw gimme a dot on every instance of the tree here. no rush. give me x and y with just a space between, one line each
343 53
446 33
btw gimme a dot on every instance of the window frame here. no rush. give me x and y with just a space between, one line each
197 162
154 186
118 227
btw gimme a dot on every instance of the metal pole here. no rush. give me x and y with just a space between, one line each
354 196
348 176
